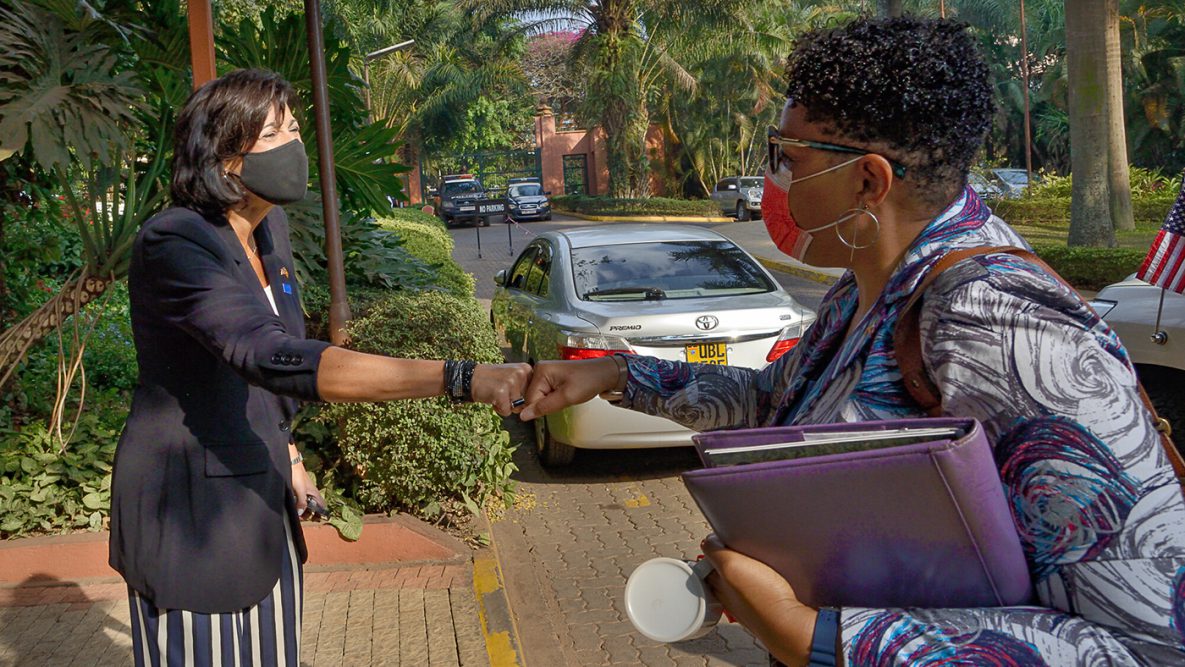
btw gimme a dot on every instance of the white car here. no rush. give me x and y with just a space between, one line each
1157 348
675 292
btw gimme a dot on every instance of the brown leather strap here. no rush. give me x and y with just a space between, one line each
907 345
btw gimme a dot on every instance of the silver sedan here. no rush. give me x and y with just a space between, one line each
675 292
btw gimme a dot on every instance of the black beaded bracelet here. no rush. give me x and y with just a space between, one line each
458 380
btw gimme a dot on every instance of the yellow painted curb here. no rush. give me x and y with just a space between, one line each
494 613
801 272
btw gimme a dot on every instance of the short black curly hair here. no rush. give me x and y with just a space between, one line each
918 87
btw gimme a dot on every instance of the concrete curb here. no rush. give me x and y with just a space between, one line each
503 645
643 218
800 270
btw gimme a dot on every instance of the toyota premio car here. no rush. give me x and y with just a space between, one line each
675 292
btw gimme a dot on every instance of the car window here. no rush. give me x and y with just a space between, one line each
668 270
722 185
539 276
518 275
528 190
461 187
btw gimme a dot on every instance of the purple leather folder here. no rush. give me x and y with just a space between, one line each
917 525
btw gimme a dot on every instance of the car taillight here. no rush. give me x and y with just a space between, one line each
592 346
789 338
781 347
570 353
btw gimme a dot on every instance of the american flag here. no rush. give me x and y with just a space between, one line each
1165 264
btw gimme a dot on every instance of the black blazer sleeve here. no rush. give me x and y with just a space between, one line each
187 264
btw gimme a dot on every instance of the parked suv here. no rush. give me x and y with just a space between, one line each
528 201
740 196
460 200
1130 307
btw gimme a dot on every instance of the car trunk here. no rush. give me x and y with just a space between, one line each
738 331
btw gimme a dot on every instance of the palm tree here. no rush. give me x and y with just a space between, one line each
1087 23
623 54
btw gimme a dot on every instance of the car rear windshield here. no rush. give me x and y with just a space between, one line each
461 187
665 270
529 190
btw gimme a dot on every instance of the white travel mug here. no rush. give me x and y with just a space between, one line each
667 600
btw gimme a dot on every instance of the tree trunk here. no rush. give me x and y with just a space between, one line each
1118 175
889 8
1086 55
17 340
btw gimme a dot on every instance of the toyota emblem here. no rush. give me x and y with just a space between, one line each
706 322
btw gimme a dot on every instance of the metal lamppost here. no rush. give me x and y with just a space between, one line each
374 55
339 308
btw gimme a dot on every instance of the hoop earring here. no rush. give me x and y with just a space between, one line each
853 213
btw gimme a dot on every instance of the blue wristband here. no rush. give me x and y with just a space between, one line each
823 653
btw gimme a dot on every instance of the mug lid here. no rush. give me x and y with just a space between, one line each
664 599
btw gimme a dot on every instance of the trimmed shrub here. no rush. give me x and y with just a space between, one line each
1055 211
425 237
426 456
642 207
1091 268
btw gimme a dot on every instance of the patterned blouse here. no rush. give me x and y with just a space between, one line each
1098 509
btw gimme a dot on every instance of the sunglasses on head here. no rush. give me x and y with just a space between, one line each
776 141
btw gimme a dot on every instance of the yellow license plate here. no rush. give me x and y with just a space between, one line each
708 353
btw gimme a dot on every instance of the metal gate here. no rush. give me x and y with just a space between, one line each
493 168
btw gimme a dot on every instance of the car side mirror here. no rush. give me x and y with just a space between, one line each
500 278
547 193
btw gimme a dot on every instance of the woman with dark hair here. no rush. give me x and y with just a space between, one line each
208 488
868 172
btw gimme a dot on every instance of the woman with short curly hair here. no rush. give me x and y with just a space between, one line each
868 172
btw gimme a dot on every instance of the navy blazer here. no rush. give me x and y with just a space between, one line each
202 477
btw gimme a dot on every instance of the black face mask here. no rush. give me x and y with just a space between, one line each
279 176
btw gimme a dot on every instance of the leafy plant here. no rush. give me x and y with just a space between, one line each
425 456
44 490
63 94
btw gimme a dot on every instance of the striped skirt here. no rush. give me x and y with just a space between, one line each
265 635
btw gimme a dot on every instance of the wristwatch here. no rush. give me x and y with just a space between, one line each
823 651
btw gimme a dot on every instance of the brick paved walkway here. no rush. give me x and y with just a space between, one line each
417 616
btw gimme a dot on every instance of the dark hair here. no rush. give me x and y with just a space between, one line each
919 87
219 121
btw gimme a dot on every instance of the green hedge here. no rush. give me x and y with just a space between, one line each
1091 268
425 236
1046 211
656 206
425 456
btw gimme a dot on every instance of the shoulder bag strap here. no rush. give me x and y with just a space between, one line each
907 346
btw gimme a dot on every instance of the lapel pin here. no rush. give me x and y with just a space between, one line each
284 271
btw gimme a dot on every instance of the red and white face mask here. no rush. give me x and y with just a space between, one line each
779 221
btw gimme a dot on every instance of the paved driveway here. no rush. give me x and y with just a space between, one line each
568 547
